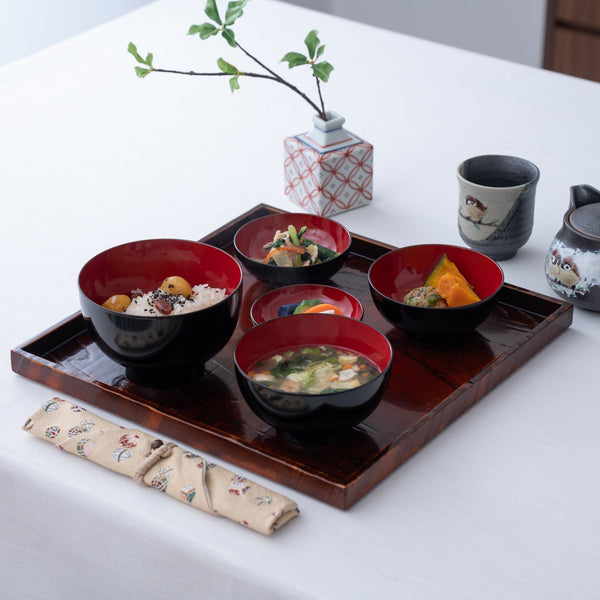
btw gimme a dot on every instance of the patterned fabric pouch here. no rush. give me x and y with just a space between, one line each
183 475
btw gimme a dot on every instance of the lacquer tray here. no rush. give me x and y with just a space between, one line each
430 385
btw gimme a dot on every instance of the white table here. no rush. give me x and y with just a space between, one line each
503 504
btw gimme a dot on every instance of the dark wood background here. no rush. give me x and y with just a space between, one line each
573 38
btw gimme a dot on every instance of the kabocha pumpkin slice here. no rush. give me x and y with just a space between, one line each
456 290
444 265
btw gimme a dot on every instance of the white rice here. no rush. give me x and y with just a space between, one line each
202 296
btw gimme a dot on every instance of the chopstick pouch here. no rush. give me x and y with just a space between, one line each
181 474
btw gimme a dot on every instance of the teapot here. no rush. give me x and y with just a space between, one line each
573 260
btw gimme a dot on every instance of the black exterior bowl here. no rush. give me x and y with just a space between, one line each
160 351
267 306
307 418
392 275
250 239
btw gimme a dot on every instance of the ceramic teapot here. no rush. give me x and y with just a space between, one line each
573 260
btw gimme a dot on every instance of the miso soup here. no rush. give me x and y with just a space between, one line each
314 370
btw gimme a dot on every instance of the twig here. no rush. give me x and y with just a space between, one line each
273 77
323 114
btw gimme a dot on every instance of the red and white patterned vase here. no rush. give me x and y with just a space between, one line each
328 170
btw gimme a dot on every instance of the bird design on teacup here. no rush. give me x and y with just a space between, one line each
477 216
475 208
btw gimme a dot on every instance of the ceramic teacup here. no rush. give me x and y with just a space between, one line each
496 203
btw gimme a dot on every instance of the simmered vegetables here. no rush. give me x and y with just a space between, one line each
425 296
445 287
314 370
456 290
291 249
443 267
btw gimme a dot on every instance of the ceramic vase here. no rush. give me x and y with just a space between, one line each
328 170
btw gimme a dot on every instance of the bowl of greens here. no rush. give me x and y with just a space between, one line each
291 248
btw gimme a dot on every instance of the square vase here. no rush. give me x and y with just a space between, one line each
328 172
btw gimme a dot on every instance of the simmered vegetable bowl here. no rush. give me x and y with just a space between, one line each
290 249
314 370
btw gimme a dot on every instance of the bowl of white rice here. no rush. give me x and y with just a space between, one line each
161 307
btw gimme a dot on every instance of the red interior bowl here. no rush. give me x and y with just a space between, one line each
144 264
399 271
160 350
267 306
305 418
250 239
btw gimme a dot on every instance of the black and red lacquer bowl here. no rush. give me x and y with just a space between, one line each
267 306
251 237
394 274
163 351
306 418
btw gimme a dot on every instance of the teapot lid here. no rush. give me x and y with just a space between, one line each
586 219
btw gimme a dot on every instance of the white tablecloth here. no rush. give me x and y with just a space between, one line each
503 504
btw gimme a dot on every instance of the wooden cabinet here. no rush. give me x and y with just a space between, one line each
573 38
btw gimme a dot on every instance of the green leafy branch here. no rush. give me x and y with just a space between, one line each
321 69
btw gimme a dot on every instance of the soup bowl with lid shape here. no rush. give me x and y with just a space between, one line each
394 274
160 350
302 417
250 239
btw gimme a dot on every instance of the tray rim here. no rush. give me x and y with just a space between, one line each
342 497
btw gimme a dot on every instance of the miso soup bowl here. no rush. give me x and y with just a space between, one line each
160 351
251 237
394 274
305 418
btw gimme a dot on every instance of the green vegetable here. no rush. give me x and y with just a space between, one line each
311 351
326 253
306 304
433 299
293 235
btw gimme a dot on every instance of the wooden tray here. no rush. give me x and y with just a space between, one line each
430 386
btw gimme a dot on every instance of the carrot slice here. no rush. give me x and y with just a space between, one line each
322 308
297 249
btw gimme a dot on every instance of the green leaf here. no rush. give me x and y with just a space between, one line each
235 10
312 41
226 67
294 59
322 70
149 59
234 84
133 51
320 51
229 36
141 72
204 31
212 12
